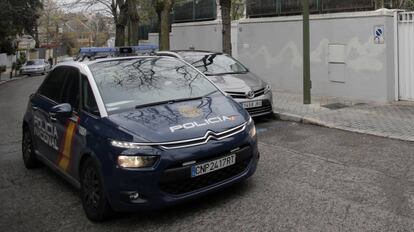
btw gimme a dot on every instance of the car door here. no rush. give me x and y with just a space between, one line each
67 127
46 139
88 121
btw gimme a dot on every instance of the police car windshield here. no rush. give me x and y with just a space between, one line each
130 83
215 64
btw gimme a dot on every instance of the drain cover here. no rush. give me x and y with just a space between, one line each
335 106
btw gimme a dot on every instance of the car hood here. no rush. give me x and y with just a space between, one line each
182 120
243 82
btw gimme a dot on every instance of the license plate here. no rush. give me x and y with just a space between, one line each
214 165
252 104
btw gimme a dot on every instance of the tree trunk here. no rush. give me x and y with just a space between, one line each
159 29
225 6
121 23
379 4
36 35
165 25
133 36
120 35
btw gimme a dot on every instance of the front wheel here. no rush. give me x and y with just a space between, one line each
29 157
93 195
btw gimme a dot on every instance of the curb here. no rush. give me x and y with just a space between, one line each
317 122
288 117
10 80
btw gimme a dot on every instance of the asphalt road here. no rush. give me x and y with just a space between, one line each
309 179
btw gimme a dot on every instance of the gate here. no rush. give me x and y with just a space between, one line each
406 55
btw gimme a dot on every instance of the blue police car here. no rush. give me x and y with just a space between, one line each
139 132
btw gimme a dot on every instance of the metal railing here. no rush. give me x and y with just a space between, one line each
194 10
263 8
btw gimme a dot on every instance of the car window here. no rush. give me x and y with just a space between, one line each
88 99
34 62
128 83
53 85
215 63
71 91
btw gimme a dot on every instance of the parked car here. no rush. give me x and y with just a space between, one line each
32 67
137 133
64 59
231 76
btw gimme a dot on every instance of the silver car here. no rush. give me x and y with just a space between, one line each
232 77
37 66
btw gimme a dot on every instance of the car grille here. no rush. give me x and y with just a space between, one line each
203 140
243 95
178 181
265 108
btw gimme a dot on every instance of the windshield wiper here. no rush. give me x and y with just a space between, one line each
225 73
173 101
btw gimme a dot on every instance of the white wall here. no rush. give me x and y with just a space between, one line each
198 35
272 48
153 39
7 60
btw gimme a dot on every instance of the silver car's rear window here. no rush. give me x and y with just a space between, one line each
213 64
35 62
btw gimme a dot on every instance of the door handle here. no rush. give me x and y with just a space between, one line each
52 117
35 108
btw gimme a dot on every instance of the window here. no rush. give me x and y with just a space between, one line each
71 93
53 85
88 99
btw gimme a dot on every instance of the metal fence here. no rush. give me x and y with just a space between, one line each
263 8
194 10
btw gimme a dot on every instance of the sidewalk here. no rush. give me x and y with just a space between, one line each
5 77
392 120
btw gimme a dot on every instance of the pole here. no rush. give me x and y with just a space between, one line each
307 85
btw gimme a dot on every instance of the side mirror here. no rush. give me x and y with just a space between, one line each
63 110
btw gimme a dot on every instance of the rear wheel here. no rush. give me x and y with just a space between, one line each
29 157
93 195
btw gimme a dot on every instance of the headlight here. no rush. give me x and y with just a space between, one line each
268 88
136 161
127 145
252 130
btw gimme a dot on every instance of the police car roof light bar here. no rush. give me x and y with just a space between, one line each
102 52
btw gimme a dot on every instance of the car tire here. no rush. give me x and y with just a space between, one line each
29 156
93 196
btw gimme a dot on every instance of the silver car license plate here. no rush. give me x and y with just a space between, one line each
214 165
252 104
